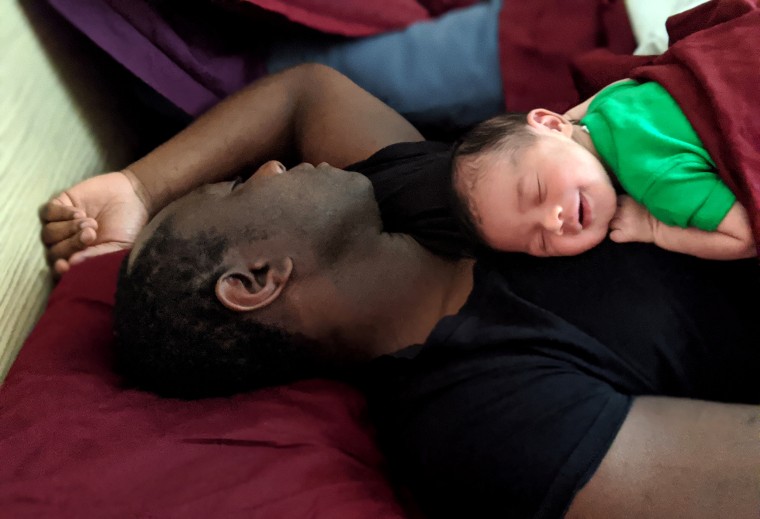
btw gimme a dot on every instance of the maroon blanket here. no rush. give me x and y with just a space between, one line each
712 69
538 39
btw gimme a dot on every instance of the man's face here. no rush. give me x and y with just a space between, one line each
553 198
323 206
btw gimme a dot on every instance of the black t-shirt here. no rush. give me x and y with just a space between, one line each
510 406
411 182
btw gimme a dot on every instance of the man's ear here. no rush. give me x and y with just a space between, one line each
244 288
542 119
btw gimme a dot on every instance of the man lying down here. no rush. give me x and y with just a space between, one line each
618 383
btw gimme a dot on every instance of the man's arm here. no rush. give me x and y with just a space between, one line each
310 113
678 458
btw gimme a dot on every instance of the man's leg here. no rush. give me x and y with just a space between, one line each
440 72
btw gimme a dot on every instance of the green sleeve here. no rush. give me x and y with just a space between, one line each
688 195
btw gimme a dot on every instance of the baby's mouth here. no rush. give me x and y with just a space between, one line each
584 212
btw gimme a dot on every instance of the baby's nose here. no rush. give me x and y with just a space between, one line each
553 219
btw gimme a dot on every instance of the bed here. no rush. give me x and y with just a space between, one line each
75 441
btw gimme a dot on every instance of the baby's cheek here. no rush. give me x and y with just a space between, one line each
572 245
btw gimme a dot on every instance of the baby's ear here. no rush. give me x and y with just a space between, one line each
544 120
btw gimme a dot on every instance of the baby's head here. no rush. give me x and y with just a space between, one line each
529 183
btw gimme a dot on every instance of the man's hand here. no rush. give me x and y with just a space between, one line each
632 222
99 215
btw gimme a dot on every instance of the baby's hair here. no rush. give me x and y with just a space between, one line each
505 133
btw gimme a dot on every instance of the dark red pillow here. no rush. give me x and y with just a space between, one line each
75 443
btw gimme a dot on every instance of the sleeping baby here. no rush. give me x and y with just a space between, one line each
542 184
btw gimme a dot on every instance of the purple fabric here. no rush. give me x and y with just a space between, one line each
182 58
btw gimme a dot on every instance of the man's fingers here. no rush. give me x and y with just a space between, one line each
54 232
65 248
60 267
55 211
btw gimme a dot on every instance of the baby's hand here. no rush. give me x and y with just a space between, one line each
632 222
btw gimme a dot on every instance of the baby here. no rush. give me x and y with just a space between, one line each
539 183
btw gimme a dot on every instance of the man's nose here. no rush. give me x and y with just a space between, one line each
270 168
553 219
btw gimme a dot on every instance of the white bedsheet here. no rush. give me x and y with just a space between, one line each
648 22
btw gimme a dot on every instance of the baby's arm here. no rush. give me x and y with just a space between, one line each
731 240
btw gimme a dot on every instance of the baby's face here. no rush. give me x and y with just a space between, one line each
554 198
